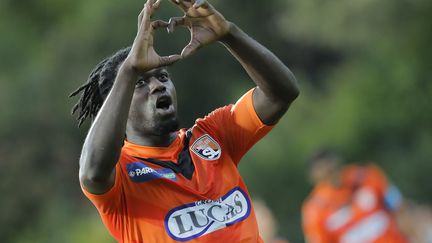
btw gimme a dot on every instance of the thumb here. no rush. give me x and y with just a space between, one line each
193 46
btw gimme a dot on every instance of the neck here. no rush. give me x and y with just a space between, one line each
152 140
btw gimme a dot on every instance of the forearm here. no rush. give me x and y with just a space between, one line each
104 140
264 68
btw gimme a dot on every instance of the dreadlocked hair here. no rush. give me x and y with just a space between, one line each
97 86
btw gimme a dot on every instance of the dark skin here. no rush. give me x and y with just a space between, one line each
143 104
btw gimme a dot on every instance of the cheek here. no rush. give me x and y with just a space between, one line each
133 114
174 95
138 106
134 104
317 174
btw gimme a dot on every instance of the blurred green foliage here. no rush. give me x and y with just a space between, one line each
364 68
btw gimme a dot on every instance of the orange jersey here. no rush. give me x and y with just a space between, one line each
152 203
359 211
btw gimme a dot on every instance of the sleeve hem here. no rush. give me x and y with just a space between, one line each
110 193
253 112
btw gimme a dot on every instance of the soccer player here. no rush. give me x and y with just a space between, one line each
153 182
351 204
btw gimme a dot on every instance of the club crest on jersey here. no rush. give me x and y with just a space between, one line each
206 148
203 217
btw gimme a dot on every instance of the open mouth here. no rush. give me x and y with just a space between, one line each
163 102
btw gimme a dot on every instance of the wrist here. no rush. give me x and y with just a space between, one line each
233 31
135 66
129 68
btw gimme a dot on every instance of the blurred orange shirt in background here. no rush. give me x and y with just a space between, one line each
151 203
360 210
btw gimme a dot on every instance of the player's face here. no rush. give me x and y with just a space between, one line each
154 104
321 170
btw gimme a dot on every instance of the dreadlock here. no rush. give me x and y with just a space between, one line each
97 86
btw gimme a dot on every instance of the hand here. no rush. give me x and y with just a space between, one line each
205 23
142 56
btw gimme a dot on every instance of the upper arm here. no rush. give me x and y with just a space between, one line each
313 228
390 194
268 110
106 201
94 185
90 176
237 126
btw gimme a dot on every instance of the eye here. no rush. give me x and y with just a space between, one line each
163 77
140 82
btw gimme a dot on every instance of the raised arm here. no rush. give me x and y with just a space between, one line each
277 86
104 140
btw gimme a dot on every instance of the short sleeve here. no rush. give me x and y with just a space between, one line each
390 194
313 227
109 201
237 126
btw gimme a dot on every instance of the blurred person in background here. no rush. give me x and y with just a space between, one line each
267 223
161 183
351 203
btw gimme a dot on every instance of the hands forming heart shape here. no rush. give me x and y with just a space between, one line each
204 22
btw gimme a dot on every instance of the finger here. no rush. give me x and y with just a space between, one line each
183 4
193 46
200 4
149 7
157 4
147 12
175 21
176 2
157 24
168 60
140 17
150 2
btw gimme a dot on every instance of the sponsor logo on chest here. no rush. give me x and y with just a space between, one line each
368 229
206 148
203 217
140 172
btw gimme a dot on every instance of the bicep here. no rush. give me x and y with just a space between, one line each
243 127
106 199
97 172
269 111
95 185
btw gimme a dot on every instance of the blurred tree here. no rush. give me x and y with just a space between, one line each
363 65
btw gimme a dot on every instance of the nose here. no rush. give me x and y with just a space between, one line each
156 85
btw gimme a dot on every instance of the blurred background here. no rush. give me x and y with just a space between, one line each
364 67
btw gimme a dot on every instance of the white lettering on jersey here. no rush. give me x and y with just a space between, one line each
203 217
365 199
367 230
339 218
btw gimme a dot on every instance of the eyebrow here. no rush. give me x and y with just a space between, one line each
154 72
